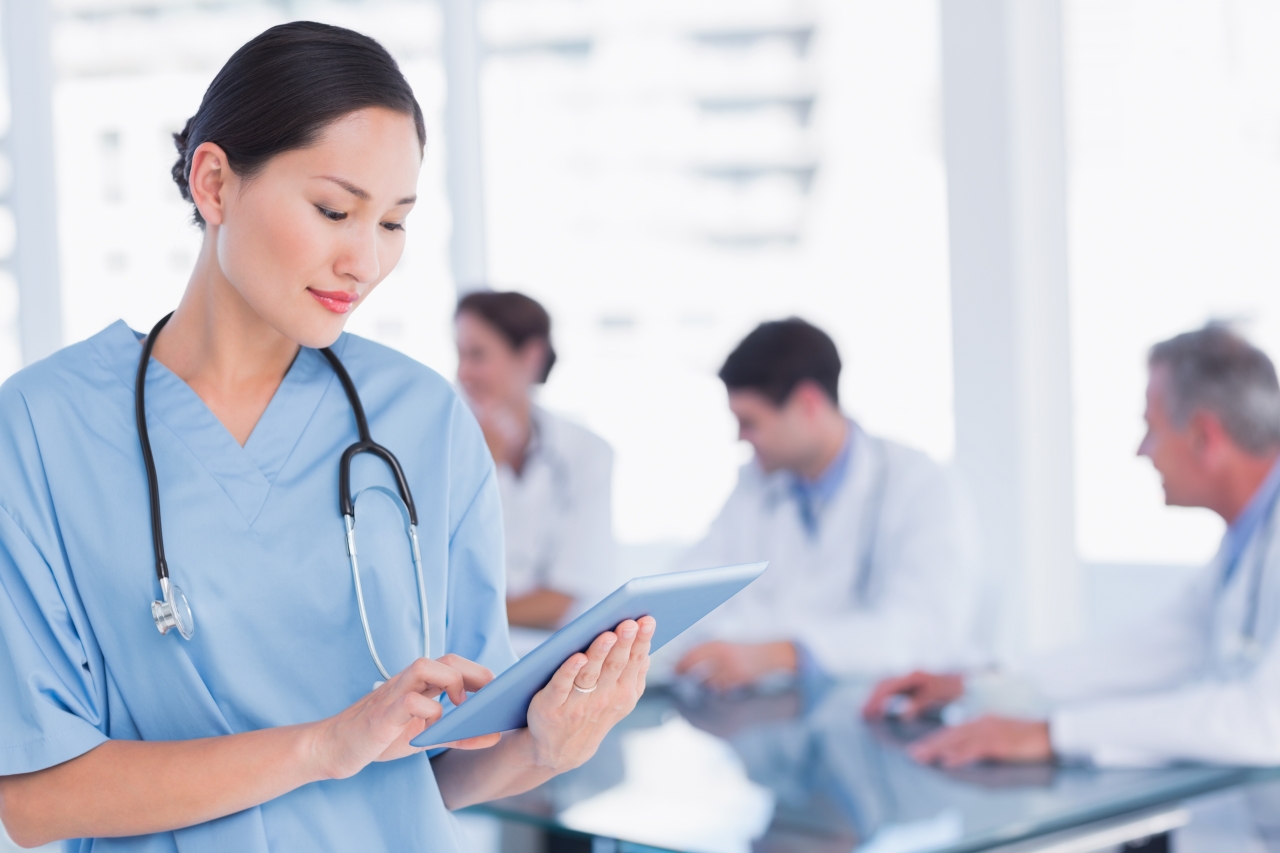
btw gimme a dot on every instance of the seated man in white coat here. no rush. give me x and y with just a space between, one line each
868 570
1199 681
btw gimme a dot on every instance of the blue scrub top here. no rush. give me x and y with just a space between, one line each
255 538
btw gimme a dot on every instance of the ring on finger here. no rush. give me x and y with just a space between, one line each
591 689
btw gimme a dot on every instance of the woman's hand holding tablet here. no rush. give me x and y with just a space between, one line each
589 694
567 719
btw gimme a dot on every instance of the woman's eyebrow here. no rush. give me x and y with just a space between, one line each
363 195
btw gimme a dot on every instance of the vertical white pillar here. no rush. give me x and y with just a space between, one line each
29 66
463 157
1005 150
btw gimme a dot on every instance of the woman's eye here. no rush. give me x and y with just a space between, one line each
393 226
331 215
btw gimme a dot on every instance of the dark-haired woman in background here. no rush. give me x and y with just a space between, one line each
556 477
254 726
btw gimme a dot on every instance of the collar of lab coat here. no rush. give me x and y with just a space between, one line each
821 490
1245 528
778 486
1244 595
544 439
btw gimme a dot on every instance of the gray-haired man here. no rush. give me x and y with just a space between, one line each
1200 681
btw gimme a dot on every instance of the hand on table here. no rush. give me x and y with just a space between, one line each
990 738
567 724
380 726
921 692
728 666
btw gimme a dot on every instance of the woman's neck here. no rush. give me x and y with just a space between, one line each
508 427
523 411
223 349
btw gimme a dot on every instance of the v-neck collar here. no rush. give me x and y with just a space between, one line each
244 473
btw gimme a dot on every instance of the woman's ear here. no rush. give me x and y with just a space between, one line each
208 181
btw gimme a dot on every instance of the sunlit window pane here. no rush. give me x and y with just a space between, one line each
1174 133
664 175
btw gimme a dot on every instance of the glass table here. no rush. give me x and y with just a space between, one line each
797 769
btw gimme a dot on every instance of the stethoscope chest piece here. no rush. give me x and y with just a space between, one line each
173 611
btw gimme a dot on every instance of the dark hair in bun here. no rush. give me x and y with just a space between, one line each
280 91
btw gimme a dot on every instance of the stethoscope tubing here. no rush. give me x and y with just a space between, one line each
148 461
346 505
872 510
366 444
350 523
1249 625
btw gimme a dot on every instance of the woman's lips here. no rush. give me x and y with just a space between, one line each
337 301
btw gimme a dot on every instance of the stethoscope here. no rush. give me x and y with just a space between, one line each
1245 646
174 611
869 523
871 520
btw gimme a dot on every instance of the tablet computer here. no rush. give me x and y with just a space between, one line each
675 600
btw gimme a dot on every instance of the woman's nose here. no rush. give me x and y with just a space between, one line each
359 259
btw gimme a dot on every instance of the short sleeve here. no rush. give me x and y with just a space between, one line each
50 709
476 624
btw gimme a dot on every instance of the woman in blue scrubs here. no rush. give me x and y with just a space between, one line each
271 728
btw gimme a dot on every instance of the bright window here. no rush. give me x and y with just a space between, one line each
664 175
1174 135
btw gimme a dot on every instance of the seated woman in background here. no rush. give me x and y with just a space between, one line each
555 477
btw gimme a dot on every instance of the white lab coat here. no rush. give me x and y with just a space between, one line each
1174 686
886 583
558 513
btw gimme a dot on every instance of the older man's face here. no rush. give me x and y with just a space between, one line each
1173 451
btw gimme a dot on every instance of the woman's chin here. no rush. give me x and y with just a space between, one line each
315 332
